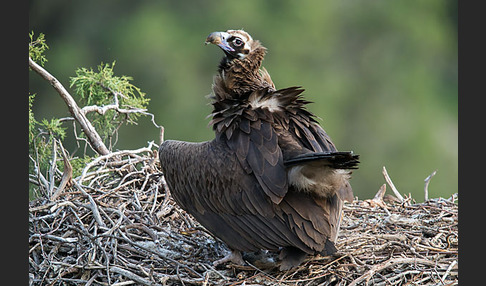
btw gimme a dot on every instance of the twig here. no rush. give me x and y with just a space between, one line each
57 238
130 275
91 280
40 178
144 228
116 106
367 276
93 137
161 136
66 175
453 263
380 194
92 206
392 186
103 109
111 155
155 199
426 187
52 169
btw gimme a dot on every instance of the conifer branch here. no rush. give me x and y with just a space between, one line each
93 137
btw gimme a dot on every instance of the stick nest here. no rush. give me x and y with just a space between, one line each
116 224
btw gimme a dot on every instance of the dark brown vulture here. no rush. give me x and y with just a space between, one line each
271 179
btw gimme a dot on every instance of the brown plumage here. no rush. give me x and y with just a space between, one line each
271 178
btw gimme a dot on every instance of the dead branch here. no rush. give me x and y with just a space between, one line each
66 176
92 205
52 169
132 276
117 154
392 186
426 187
389 263
116 106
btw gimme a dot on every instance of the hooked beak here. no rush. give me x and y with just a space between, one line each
220 39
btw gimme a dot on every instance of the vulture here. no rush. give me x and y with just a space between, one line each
271 179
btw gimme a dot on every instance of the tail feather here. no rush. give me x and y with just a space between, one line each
337 160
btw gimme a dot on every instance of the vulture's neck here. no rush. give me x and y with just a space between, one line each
237 78
235 82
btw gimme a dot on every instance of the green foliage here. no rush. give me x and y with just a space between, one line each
78 164
103 88
37 48
32 121
53 128
41 136
41 133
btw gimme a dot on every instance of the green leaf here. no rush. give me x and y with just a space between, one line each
37 48
100 88
54 127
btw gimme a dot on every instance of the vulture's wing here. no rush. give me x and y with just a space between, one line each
305 143
257 150
237 186
249 133
208 181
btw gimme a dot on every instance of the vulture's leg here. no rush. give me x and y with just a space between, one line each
234 256
291 257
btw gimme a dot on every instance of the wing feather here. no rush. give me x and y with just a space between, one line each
240 193
259 153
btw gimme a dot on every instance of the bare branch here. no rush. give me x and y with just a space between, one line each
111 155
130 275
116 106
380 194
52 169
66 176
92 205
103 109
161 137
392 186
93 137
41 180
426 187
387 264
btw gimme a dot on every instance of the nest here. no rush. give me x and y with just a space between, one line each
116 224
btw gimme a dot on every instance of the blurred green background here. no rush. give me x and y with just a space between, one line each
382 74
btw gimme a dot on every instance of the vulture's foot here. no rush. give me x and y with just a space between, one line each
234 256
291 257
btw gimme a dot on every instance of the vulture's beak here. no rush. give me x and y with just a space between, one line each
220 39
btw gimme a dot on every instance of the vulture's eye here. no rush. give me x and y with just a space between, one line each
238 42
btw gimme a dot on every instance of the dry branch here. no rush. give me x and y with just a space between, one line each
426 185
389 263
131 276
66 175
392 186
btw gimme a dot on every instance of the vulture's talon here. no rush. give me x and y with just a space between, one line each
234 256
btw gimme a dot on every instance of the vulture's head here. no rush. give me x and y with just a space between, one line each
240 70
236 44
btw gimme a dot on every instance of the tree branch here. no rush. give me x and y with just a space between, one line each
116 106
426 187
392 186
93 137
